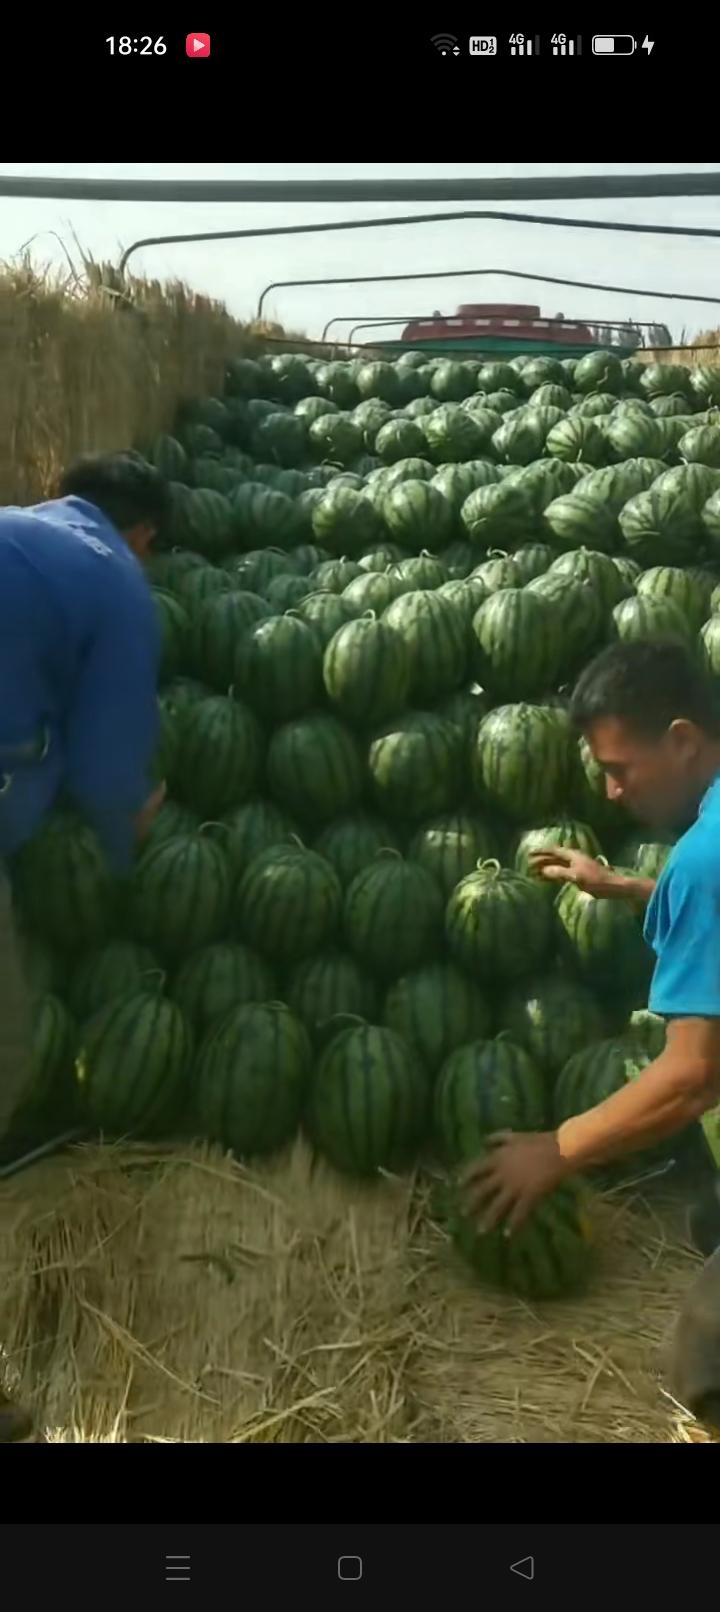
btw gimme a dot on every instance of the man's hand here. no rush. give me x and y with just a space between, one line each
565 866
146 817
520 1169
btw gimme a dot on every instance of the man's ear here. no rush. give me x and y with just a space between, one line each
685 736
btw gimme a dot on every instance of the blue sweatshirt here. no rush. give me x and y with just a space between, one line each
682 922
79 655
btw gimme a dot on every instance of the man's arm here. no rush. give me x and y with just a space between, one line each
561 865
112 728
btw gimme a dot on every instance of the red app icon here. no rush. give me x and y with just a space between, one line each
197 45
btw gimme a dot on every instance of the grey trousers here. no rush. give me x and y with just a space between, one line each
694 1359
15 1053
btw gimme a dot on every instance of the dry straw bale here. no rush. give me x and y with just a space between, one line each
174 1295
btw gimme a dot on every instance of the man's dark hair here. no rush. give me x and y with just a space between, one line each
124 486
648 685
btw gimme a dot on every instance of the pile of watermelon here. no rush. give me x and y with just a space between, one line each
377 586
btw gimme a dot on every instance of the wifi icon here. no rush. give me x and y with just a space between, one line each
446 44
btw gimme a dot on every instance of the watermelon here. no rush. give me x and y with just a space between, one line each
220 754
133 1063
498 923
416 765
577 520
449 847
517 644
205 521
484 1087
418 515
336 438
200 583
252 571
335 574
661 526
278 668
325 614
366 670
313 408
41 967
453 435
435 637
704 383
701 445
709 646
392 916
254 827
62 884
216 630
369 1099
328 984
579 616
452 380
457 481
217 978
373 591
595 1073
287 903
335 382
689 590
399 439
178 895
603 941
116 969
53 1038
169 457
647 857
243 378
532 560
552 1018
174 624
520 438
350 843
377 379
546 1258
549 393
710 517
344 520
496 374
285 592
630 435
292 377
465 596
521 761
436 1009
261 518
647 616
421 571
314 768
598 372
578 438
500 513
172 818
597 569
251 1078
497 571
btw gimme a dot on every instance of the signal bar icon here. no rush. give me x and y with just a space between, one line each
563 46
522 46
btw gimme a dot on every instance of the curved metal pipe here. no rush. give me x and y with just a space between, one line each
402 219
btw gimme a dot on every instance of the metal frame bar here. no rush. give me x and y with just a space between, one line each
404 219
510 274
547 322
541 187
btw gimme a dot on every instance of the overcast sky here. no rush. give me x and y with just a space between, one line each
237 271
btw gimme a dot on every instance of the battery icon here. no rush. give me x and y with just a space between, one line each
613 44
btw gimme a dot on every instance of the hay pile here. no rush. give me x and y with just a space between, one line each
173 1295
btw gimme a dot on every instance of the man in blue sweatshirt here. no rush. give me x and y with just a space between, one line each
79 652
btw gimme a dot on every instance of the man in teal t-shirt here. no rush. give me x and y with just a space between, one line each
652 720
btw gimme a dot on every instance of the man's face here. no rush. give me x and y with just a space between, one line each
655 779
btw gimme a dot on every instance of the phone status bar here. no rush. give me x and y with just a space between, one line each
531 45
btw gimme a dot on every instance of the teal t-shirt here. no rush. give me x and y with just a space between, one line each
682 922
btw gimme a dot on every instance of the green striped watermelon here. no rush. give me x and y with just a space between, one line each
216 631
392 916
178 895
220 754
374 590
709 646
205 521
42 968
577 519
416 765
217 978
418 515
567 831
174 623
62 884
453 435
247 830
262 518
498 923
116 969
436 639
661 526
498 571
399 439
325 614
251 1078
169 457
546 1258
133 1064
552 1018
647 616
314 768
595 1073
335 574
366 670
450 847
369 1100
483 1087
690 591
48 1093
579 614
328 984
517 644
278 667
437 1009
420 571
578 437
603 940
336 438
499 513
288 902
599 570
647 857
344 521
521 761
457 481
350 843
